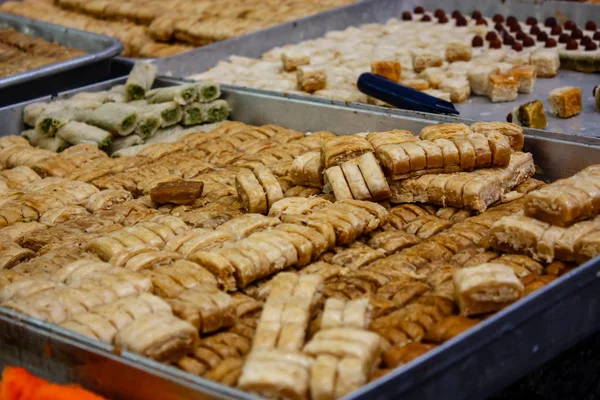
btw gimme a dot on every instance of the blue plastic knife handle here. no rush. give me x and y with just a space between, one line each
402 96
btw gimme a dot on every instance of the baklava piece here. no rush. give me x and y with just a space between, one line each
311 78
292 60
458 51
565 102
424 59
530 115
458 88
502 88
479 77
391 70
526 75
513 132
177 192
307 170
486 288
339 149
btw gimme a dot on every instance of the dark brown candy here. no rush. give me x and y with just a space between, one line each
406 16
576 34
481 21
491 35
520 35
508 40
531 21
570 25
476 14
564 38
550 22
495 44
517 46
556 30
572 45
590 26
542 37
498 18
178 192
534 30
456 14
443 19
439 13
585 40
515 28
509 117
426 18
419 10
590 46
510 20
597 36
499 27
461 21
477 41
528 42
550 43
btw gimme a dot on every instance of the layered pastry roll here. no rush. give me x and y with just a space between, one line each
219 266
246 224
106 199
378 139
449 328
276 374
170 112
297 205
140 80
120 119
205 307
307 170
346 314
374 177
513 132
251 192
444 131
177 192
181 94
160 336
208 90
49 123
339 149
270 185
486 288
566 200
335 181
147 125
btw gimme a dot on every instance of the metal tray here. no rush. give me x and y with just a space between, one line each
379 11
90 68
476 364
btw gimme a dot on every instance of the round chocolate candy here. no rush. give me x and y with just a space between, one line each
591 46
520 35
477 41
572 45
495 44
491 35
534 30
461 21
597 36
481 21
456 14
542 37
509 117
585 40
443 19
439 13
517 46
550 43
590 26
406 16
528 41
419 10
564 38
508 40
476 15
576 34
531 21
426 18
510 20
498 18
515 28
499 27
550 22
570 25
556 30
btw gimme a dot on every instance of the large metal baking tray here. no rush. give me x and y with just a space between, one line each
90 68
379 11
473 365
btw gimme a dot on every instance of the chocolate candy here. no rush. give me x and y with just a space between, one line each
591 46
426 18
572 45
443 19
517 46
550 43
481 21
511 20
476 15
498 18
419 10
564 38
406 16
531 21
520 36
495 44
570 25
556 30
456 14
491 35
508 40
499 27
515 28
576 34
534 30
542 37
528 41
477 41
461 21
439 13
509 117
590 26
597 36
585 40
550 22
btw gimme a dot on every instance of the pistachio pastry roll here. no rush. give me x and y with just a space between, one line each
33 136
124 142
216 111
193 114
139 81
208 90
116 118
182 94
78 132
148 124
48 123
169 112
55 144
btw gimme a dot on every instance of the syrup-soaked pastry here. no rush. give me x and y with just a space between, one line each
396 356
199 239
513 132
566 200
392 241
356 256
339 149
486 288
205 307
251 192
296 205
323 377
176 192
307 170
270 185
374 177
159 336
246 224
449 328
444 131
336 182
394 160
355 180
219 266
378 139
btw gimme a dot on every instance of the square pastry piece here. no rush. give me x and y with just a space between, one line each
310 78
526 75
388 69
565 102
486 288
502 88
